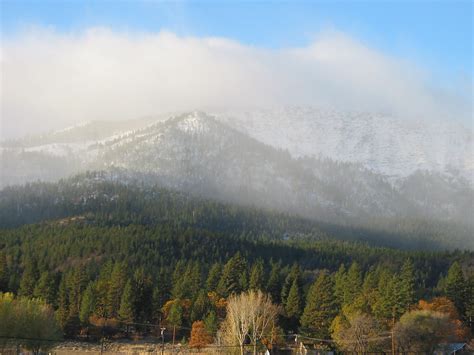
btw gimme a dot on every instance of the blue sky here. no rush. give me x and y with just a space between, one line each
435 34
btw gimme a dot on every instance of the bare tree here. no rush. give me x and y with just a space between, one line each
357 333
250 314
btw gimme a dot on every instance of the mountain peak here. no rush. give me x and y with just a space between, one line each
195 122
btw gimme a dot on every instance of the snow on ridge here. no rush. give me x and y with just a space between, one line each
389 146
195 122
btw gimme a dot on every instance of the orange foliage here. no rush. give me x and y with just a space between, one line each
446 306
200 338
103 322
440 304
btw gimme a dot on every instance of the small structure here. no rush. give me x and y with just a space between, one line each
451 349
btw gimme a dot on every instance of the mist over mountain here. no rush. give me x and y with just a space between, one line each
329 166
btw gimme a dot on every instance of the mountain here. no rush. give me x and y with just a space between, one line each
386 145
215 157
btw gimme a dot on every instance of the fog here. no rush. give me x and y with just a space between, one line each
52 80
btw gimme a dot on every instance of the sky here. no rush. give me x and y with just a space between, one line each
69 61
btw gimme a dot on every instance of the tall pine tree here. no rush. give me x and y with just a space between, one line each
456 287
320 309
257 276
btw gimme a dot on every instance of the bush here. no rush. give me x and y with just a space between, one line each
29 323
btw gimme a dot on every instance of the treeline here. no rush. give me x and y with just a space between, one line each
319 304
109 201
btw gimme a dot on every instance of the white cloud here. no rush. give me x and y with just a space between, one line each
52 80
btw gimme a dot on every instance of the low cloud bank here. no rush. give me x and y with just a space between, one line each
51 80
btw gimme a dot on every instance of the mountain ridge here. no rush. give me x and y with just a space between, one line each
205 155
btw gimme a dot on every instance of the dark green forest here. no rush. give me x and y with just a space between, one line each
120 257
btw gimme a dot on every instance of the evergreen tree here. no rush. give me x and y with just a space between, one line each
340 284
73 323
200 307
231 279
389 306
293 302
63 304
407 285
293 276
257 276
28 279
274 281
126 310
77 282
353 284
320 309
46 288
3 272
88 303
143 295
157 302
213 277
117 282
364 303
187 286
102 290
175 316
456 287
211 322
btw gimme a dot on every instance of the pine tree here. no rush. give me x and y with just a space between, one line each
102 289
3 272
320 309
293 275
143 295
211 322
407 286
46 288
213 277
388 305
340 284
274 282
73 323
293 302
364 303
126 310
353 284
77 282
157 302
175 316
63 304
87 304
200 306
28 279
118 279
187 286
456 287
257 276
231 279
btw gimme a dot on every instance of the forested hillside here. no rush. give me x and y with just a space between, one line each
115 260
110 198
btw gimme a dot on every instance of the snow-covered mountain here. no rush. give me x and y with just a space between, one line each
388 146
286 160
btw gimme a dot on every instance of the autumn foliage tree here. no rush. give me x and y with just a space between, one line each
421 331
445 306
200 338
